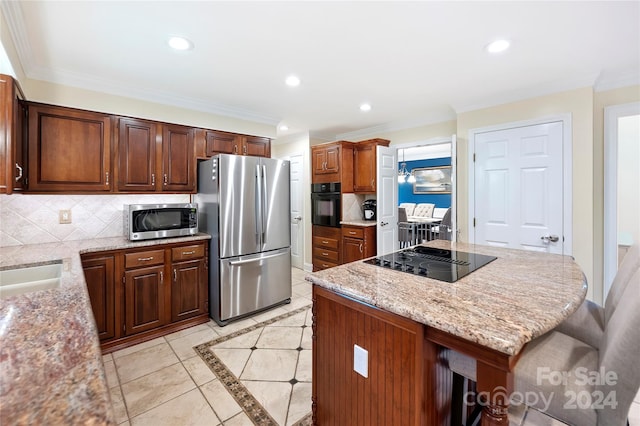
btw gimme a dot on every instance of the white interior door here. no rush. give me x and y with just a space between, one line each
387 200
518 194
297 228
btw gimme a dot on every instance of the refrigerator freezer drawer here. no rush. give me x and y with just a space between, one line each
251 283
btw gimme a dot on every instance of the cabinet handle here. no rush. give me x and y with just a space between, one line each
153 178
352 232
107 178
184 253
175 275
325 242
161 277
325 254
360 247
19 172
144 259
373 183
165 179
235 149
244 150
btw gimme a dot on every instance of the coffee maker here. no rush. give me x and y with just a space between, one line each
369 207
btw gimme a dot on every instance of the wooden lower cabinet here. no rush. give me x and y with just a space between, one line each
358 242
327 247
99 273
138 295
393 393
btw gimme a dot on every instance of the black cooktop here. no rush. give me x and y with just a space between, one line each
431 262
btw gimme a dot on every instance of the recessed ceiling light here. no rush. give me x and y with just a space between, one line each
284 128
498 46
292 81
365 107
180 43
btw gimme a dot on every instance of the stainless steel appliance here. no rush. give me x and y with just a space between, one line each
325 204
431 262
243 203
149 221
369 208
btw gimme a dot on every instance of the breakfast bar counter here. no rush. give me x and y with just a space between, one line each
489 314
51 369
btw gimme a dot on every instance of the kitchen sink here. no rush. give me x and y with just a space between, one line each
29 279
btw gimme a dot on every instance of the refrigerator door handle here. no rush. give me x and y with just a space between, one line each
259 230
242 262
264 204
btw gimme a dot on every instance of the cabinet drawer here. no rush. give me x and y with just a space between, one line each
320 264
330 243
187 252
143 258
352 232
325 254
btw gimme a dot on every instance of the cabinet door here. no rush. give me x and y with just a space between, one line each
188 292
178 159
318 160
100 278
69 150
12 151
364 179
352 249
144 299
332 159
221 143
257 146
136 155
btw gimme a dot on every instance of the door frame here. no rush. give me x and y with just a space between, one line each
567 172
454 170
610 249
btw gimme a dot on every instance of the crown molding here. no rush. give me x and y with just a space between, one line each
609 82
435 117
576 82
12 11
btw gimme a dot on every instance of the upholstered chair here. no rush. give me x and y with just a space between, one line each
589 358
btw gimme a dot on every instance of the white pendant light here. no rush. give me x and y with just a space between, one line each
402 172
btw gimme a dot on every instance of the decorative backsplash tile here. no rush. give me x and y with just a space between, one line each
34 219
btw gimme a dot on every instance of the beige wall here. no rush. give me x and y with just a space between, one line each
416 134
293 145
602 100
578 103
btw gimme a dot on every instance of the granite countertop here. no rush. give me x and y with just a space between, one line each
51 369
357 222
503 305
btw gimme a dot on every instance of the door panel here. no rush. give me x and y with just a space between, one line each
144 299
519 187
297 222
276 195
387 197
249 283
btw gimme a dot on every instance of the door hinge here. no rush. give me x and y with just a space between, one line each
474 222
474 157
123 280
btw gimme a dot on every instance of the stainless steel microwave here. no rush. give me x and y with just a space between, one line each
149 221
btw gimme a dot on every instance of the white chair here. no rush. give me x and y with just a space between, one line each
597 343
406 230
408 207
423 210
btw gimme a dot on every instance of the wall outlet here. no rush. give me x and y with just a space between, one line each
65 216
361 361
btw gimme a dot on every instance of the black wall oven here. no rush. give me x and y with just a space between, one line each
325 204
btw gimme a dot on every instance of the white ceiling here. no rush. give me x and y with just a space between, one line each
415 62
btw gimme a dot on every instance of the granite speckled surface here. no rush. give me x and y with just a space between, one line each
51 369
503 305
359 222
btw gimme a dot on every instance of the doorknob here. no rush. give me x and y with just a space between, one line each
297 218
546 239
384 223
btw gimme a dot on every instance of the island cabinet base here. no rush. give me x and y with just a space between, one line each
401 365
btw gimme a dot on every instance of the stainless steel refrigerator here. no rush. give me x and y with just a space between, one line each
243 203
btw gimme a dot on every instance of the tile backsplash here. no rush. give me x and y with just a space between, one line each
352 206
34 219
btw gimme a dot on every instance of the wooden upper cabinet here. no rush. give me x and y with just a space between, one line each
231 143
256 146
326 159
136 170
365 165
69 150
178 159
13 165
333 162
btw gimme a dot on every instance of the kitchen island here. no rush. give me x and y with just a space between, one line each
51 369
405 321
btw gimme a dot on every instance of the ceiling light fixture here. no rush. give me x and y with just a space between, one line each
498 46
284 128
365 107
402 171
180 43
292 81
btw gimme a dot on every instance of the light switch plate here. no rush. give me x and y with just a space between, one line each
65 216
361 361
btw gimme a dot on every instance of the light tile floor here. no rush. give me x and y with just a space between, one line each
165 382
